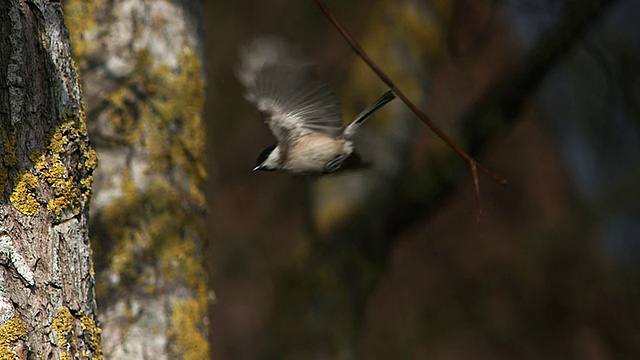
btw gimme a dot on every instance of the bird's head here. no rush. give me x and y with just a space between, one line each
269 159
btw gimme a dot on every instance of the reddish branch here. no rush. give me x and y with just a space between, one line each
425 119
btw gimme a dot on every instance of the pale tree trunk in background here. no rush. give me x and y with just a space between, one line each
141 63
47 305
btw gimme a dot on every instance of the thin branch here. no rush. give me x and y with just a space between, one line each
425 119
476 184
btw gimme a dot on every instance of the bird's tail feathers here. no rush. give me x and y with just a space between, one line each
382 101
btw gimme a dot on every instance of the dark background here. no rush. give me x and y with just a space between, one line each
390 263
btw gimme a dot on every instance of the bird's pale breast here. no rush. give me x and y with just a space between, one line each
312 152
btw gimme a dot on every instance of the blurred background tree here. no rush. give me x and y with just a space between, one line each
389 263
141 65
386 263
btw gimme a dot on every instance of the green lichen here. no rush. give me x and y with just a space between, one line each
11 332
154 229
9 152
80 17
4 176
9 159
127 212
169 122
188 330
126 105
162 225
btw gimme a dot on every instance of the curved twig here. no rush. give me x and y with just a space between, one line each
424 118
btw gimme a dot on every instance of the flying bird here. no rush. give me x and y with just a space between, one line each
302 112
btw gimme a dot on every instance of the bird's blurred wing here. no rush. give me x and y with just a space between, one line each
286 91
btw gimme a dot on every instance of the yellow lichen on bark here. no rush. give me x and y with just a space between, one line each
91 334
71 187
63 325
23 195
11 332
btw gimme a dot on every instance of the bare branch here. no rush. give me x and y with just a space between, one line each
424 118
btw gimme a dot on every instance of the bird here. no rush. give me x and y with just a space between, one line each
302 112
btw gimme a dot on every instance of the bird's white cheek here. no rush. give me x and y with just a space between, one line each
274 161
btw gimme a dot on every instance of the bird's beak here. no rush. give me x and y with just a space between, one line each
256 168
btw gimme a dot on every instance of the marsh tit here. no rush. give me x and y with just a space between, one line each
302 112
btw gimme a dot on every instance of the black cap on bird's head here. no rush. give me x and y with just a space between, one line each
264 155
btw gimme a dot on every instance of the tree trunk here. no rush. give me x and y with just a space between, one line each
143 80
47 306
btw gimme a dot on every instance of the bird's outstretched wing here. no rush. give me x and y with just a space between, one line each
287 93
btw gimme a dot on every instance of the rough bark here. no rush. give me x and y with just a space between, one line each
142 74
47 306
